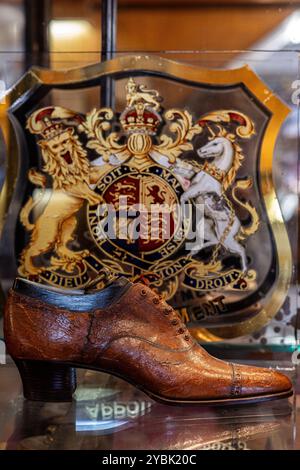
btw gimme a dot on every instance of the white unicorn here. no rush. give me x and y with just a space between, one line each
206 189
221 150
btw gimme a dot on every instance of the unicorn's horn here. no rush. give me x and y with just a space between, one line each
211 132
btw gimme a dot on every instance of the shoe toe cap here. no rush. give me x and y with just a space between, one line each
259 381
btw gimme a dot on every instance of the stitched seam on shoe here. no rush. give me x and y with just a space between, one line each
236 384
158 346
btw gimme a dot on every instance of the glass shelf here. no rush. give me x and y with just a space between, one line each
109 414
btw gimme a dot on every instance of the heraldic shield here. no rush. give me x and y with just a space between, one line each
173 187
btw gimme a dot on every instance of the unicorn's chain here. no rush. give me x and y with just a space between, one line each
226 231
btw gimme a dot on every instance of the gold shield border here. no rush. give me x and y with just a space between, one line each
36 77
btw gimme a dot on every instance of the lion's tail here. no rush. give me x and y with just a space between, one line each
25 212
252 228
39 180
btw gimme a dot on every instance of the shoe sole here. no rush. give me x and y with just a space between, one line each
60 387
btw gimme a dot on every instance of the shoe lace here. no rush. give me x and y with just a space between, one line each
167 310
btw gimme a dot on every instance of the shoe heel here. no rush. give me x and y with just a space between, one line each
46 381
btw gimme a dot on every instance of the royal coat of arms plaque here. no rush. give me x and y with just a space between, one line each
179 196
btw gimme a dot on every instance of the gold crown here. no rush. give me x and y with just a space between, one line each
140 118
51 129
51 121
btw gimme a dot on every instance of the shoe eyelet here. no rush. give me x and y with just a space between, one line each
187 338
166 311
143 293
181 331
174 322
156 300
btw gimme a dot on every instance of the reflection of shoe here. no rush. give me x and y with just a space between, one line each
128 331
192 434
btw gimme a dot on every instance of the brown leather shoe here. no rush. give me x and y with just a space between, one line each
128 331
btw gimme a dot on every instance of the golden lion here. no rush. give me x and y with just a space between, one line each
137 93
66 162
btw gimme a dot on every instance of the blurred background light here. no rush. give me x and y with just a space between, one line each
293 28
62 29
